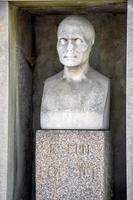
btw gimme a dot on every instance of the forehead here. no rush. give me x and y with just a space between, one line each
70 31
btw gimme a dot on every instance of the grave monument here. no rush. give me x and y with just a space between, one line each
74 163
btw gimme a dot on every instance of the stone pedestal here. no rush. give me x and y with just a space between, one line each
73 165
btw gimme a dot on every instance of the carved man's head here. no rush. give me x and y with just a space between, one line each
76 36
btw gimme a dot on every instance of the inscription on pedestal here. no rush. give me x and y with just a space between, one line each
70 165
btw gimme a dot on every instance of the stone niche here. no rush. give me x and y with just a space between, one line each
34 58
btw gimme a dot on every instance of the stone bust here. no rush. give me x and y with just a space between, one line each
78 97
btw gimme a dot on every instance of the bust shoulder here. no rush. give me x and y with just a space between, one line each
53 79
99 78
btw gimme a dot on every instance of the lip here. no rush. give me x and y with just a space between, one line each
70 57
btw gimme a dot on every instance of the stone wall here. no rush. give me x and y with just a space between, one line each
4 56
108 57
129 102
22 137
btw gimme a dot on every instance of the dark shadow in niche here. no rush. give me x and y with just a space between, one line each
24 132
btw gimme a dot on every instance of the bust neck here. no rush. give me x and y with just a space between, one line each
77 73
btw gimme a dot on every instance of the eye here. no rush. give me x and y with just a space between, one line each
78 41
63 41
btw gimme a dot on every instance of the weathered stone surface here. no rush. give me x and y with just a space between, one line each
73 165
68 3
3 99
23 130
129 110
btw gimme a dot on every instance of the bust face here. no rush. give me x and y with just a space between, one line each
72 46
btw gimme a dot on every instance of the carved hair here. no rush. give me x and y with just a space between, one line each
83 24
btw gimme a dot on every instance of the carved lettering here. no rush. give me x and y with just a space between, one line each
81 171
52 148
80 149
53 172
72 148
86 172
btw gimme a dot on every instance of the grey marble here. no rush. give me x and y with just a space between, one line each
73 165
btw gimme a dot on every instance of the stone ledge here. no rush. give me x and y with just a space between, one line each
69 3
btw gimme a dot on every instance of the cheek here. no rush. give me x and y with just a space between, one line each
61 50
82 52
78 49
84 48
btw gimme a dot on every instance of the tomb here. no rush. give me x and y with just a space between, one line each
33 58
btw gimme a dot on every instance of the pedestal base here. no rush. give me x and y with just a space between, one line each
73 165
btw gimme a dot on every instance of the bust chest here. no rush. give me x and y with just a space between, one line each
85 96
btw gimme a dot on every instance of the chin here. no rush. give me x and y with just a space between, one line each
71 66
70 63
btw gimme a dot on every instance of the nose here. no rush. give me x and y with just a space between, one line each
70 46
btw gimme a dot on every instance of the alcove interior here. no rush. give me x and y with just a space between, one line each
34 58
